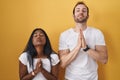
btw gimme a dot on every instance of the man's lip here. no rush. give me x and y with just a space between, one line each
80 16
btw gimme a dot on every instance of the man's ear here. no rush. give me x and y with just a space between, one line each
73 15
88 16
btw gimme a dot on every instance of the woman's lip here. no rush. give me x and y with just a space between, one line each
39 40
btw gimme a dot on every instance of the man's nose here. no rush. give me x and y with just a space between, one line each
81 12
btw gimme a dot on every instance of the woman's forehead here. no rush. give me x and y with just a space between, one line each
38 31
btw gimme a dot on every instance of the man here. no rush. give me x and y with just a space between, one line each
81 47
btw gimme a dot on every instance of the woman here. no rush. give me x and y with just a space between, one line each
38 61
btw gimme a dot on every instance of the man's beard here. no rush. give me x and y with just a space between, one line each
77 20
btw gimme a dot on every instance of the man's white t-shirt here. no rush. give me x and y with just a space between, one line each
45 63
83 67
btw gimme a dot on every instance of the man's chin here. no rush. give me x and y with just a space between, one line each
83 21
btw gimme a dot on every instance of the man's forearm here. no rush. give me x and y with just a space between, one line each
100 56
68 58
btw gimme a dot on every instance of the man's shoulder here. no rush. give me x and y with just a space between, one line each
66 32
94 31
93 28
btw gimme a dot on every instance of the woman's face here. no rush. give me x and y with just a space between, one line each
39 38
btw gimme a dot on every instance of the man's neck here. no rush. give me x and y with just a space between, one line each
81 26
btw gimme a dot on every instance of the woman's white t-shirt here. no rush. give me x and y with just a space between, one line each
45 62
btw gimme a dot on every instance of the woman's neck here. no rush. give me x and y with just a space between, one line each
40 52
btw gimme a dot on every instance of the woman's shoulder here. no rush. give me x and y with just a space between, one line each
54 58
23 54
53 54
23 58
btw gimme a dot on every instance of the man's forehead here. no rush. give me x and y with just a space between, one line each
81 6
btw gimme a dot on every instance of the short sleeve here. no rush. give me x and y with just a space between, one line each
62 43
100 38
23 58
54 59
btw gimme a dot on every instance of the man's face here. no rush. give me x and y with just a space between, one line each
80 15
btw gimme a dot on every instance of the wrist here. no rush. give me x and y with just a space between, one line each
36 71
86 49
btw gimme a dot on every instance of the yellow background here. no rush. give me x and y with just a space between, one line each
19 17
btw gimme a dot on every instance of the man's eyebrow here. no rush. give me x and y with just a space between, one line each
82 8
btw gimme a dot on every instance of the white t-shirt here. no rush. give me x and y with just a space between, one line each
83 67
46 64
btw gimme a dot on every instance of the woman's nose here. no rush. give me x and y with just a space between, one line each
38 36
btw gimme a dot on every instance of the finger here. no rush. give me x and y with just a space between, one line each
80 30
38 62
39 65
83 42
79 41
81 33
79 37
